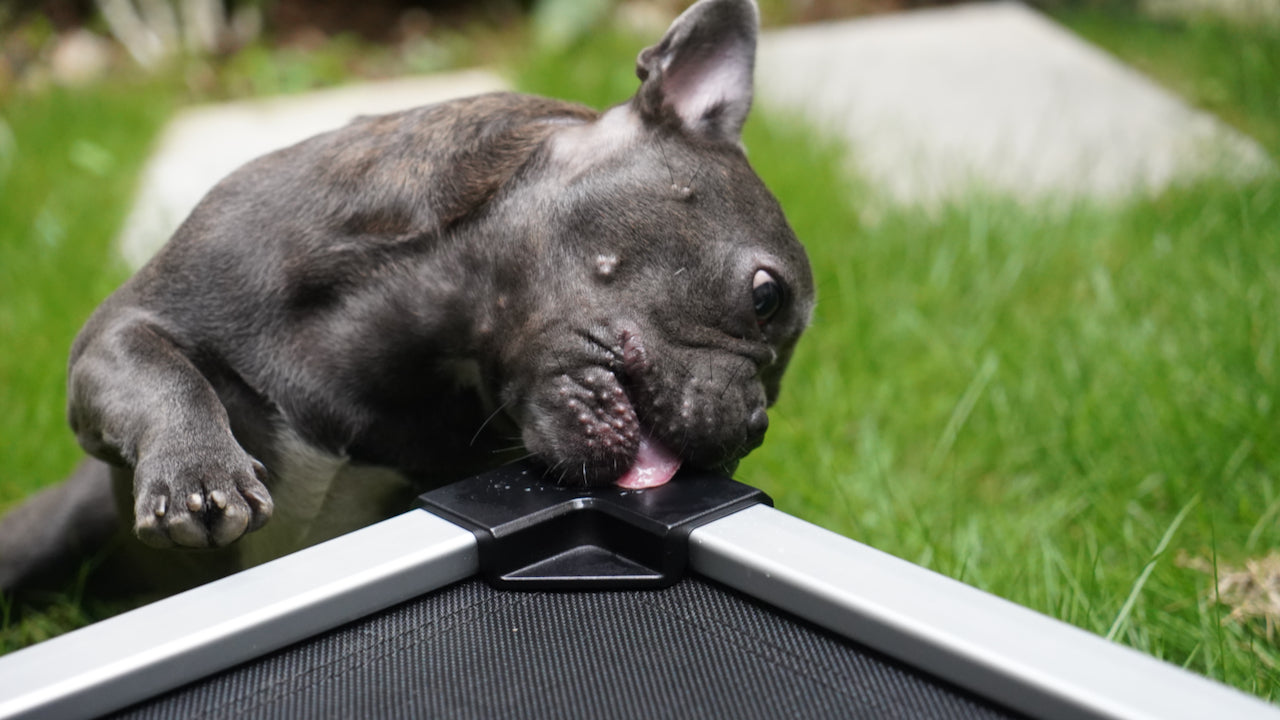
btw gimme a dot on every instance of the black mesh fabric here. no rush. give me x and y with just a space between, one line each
696 650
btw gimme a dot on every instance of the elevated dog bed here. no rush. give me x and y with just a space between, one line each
503 597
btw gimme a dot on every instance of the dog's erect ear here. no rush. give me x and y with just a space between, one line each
700 73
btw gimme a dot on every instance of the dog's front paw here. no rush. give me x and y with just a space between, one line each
199 497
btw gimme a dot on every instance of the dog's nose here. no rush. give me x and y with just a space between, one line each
757 424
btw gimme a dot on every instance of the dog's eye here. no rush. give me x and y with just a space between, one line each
766 295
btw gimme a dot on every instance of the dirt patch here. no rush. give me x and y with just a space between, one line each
1252 592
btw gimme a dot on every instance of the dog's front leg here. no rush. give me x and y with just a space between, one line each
135 399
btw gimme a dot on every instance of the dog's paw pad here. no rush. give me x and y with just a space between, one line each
207 501
188 531
150 526
228 523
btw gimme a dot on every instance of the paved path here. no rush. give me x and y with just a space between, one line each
931 104
992 95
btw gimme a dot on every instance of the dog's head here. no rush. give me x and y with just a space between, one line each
671 288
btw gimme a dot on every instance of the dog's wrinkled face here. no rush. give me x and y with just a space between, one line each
653 343
671 290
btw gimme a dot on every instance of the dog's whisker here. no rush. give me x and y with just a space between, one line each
487 420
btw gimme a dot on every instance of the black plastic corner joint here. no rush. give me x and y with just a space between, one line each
536 535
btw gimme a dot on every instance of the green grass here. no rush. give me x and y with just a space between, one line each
1029 403
1052 406
68 163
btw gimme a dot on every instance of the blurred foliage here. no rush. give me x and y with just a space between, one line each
68 162
557 24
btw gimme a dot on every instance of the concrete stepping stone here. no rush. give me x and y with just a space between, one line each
202 145
992 97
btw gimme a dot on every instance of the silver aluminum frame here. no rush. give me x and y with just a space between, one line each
128 658
1001 651
998 650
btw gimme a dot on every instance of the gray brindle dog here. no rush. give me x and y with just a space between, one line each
415 297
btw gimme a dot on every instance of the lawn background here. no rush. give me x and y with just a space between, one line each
1072 409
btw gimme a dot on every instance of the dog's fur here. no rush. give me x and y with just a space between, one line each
423 295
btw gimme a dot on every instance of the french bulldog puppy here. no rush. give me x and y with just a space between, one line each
416 297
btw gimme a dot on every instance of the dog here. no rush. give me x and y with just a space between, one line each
416 297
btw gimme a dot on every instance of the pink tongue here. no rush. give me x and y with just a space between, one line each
654 466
